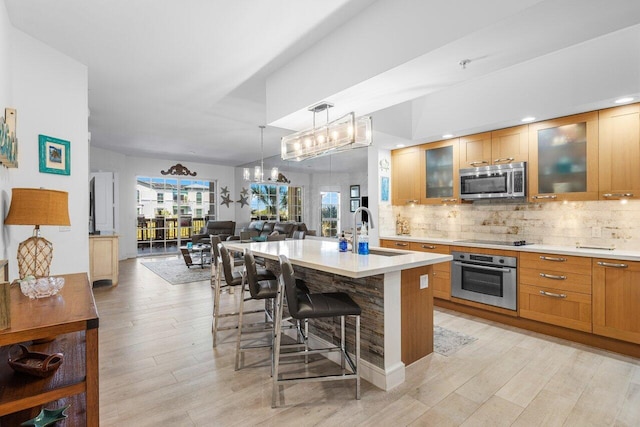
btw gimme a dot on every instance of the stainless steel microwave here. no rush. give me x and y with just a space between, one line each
493 182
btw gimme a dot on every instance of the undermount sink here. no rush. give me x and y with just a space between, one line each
385 253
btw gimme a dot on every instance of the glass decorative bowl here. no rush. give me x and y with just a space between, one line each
41 287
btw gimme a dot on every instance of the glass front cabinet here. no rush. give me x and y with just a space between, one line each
441 164
563 158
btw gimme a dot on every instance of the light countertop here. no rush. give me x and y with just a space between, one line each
618 254
324 256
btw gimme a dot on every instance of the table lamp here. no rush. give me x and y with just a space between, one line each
37 206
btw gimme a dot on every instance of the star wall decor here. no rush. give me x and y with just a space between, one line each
224 190
243 201
226 200
244 192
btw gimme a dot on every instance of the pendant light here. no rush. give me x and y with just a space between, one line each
258 170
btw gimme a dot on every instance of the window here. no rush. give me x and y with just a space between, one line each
276 202
329 213
173 208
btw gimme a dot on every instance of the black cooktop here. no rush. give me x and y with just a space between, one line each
496 242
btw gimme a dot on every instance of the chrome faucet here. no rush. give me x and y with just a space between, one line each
354 243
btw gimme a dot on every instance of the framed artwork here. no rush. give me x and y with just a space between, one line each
384 188
355 204
55 155
354 191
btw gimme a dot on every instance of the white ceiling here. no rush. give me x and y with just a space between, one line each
188 80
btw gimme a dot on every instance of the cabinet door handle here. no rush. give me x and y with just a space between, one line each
551 258
505 159
553 276
427 247
551 294
449 200
479 162
402 245
611 264
544 196
617 195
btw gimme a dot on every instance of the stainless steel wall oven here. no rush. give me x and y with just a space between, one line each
487 279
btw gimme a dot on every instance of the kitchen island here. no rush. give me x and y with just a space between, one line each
391 286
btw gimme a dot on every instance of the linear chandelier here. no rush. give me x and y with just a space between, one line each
258 170
345 133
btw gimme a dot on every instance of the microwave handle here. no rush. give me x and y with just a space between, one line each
510 184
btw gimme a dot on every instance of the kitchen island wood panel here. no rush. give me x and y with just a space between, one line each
417 315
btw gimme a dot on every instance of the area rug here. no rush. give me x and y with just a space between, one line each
447 342
176 272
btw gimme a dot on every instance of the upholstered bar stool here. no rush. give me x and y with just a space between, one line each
264 288
215 261
303 306
232 278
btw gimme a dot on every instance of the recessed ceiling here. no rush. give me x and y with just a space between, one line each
189 80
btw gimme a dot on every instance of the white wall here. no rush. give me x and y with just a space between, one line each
6 100
49 91
128 168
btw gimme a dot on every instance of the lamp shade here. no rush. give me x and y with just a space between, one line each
38 206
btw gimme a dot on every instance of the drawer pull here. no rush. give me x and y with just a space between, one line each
505 159
611 264
554 277
402 245
449 200
617 195
551 294
544 196
428 247
552 258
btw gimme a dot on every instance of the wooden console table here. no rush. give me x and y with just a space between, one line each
71 317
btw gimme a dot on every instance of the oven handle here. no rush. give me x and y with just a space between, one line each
482 267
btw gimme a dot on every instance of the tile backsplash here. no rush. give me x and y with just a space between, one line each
597 223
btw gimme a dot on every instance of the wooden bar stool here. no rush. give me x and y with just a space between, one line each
303 306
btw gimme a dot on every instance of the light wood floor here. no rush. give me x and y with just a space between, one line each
158 367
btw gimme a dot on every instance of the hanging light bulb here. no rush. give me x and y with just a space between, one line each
258 170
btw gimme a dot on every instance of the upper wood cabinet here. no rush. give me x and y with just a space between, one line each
497 147
475 150
619 152
440 172
563 158
405 176
510 145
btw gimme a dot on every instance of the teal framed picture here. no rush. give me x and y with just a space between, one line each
55 155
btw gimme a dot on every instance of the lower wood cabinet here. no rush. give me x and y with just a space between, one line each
441 275
616 299
555 289
103 258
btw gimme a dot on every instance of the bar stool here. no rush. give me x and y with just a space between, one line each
215 260
232 278
312 306
263 287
